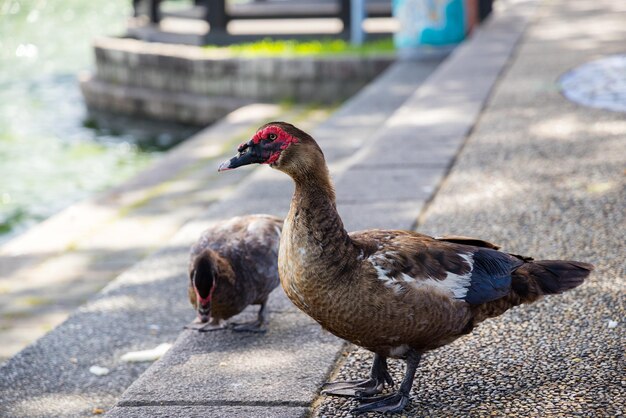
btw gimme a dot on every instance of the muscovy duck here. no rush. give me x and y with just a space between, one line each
395 293
233 265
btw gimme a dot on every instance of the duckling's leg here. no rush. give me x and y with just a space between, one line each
256 326
396 401
214 324
358 388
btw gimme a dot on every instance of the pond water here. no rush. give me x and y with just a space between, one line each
52 152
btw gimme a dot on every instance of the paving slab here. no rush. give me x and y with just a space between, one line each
208 411
221 367
423 150
350 128
396 183
391 214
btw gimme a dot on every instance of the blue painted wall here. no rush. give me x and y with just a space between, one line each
429 22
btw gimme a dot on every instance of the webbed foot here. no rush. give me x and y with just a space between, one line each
379 375
354 389
255 326
206 326
394 402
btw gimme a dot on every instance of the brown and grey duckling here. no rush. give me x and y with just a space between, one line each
395 293
233 265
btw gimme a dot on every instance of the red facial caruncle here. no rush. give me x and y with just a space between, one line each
265 147
282 141
204 301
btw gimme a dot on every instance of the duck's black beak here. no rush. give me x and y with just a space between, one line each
249 153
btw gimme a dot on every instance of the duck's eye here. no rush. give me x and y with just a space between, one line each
272 137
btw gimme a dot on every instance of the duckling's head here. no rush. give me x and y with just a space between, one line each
282 146
202 285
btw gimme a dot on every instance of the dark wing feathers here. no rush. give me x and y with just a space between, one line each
491 276
459 239
423 257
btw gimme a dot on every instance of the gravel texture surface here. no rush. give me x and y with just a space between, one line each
543 177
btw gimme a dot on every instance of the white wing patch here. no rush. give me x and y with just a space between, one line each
457 284
398 286
382 273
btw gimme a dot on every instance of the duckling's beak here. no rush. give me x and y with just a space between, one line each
204 313
249 153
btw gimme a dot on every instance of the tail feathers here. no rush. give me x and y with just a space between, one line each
558 276
533 279
548 277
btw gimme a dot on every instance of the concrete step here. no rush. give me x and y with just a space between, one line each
181 107
147 305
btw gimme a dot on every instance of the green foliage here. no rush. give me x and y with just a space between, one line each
10 219
322 47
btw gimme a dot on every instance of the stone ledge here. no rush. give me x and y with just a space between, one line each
182 83
222 367
207 411
183 107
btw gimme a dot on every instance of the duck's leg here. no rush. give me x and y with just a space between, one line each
255 326
358 388
214 324
394 402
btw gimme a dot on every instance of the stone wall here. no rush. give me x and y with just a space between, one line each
193 85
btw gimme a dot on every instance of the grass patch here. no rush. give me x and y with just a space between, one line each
46 327
12 218
323 47
33 301
16 315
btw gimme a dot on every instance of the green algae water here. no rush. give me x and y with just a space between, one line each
51 153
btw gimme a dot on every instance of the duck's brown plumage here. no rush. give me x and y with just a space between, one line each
396 293
234 264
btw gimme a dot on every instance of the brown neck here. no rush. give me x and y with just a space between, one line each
314 218
315 184
309 171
